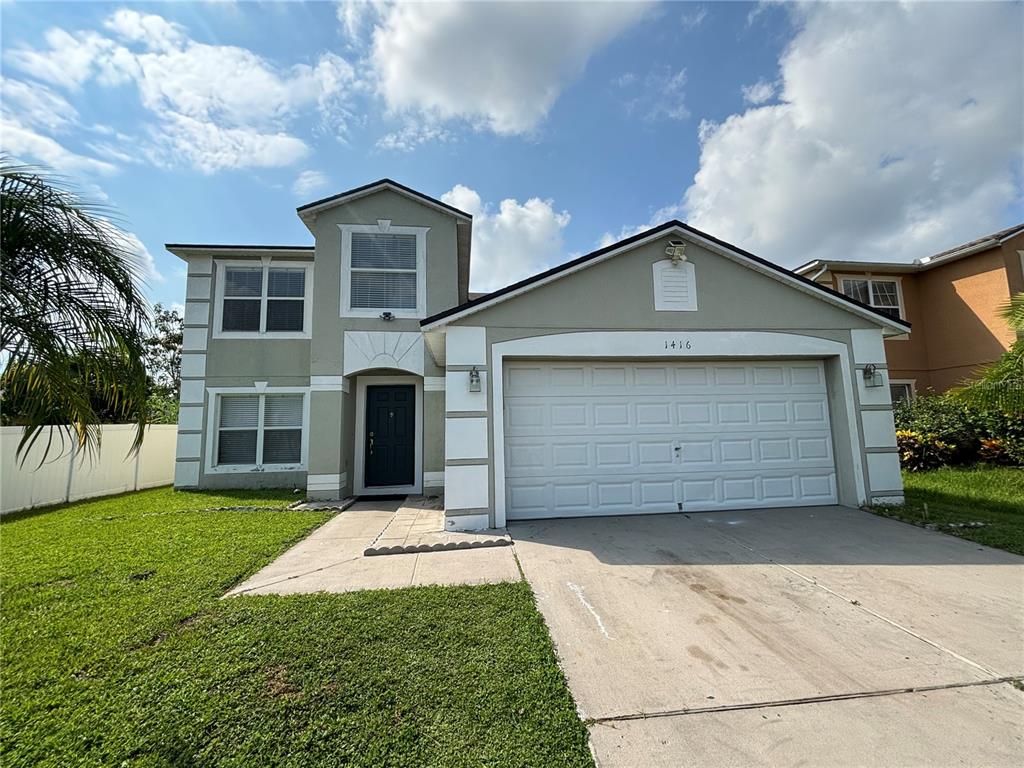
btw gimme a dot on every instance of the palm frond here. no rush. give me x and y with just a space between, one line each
73 319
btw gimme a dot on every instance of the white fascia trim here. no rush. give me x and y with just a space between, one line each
346 268
188 252
358 482
328 384
213 412
266 262
714 247
341 200
651 344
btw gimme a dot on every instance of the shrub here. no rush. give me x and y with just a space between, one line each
918 452
967 433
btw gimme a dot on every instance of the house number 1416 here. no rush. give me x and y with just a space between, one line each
680 344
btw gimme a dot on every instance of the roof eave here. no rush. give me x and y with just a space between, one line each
186 250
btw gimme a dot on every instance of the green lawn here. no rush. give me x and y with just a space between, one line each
956 495
118 652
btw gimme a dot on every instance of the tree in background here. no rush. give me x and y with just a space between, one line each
73 319
163 362
1000 386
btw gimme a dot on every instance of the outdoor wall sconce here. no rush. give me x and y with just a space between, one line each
872 376
474 380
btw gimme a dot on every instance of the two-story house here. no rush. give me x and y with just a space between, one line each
669 371
951 298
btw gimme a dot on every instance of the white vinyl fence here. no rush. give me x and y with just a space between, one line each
66 477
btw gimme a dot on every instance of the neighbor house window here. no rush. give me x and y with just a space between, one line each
901 391
257 430
263 300
383 271
883 295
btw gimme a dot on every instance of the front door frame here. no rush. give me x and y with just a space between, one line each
359 481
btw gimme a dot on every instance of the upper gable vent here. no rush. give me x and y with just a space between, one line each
675 286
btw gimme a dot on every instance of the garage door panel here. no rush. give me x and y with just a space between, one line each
582 496
530 456
610 415
567 379
621 438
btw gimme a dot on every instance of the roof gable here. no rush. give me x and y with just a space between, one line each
348 196
706 241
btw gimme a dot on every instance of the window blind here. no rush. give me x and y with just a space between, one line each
384 290
236 440
383 251
282 429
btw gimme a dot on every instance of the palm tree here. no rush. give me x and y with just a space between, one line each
73 319
1000 386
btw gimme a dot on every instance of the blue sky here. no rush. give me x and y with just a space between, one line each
844 131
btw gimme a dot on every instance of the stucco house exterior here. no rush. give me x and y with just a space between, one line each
669 371
951 298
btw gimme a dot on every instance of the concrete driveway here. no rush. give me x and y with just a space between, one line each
783 637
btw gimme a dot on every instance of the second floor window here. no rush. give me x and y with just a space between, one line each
883 295
383 271
264 299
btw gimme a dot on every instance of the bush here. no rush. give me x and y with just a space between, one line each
918 452
967 434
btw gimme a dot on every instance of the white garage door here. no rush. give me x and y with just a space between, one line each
613 438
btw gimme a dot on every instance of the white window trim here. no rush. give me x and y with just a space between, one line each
869 277
266 262
213 432
912 383
359 481
383 227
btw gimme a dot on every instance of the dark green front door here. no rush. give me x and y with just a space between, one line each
390 435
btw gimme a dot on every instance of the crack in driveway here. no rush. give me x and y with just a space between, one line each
799 701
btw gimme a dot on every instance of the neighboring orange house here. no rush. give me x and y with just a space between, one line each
951 299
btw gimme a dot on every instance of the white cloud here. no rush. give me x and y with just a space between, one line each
215 106
660 94
691 19
309 182
759 92
155 32
143 258
499 66
23 143
413 134
208 147
886 144
516 241
36 105
355 15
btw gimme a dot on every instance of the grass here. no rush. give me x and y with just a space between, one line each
957 495
118 651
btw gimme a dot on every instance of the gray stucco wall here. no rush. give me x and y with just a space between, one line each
619 294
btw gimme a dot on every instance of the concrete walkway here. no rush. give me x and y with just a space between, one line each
331 560
783 637
418 526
